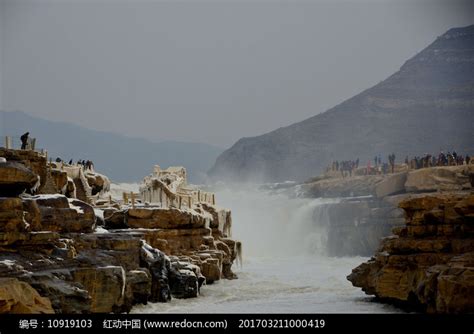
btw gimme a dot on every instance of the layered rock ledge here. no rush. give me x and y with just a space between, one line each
428 263
368 209
67 247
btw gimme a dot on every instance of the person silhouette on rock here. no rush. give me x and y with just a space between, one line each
24 140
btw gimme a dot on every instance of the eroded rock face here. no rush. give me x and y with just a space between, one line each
51 244
106 287
60 214
428 263
98 182
60 181
159 266
15 178
33 161
169 218
18 297
449 178
342 187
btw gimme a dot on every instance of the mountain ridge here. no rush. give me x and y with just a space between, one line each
122 158
433 89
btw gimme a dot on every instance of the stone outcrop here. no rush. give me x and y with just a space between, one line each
98 182
55 258
452 178
34 161
15 178
57 213
391 185
429 262
20 298
355 225
166 218
341 187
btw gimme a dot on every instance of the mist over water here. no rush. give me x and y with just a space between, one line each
285 269
274 224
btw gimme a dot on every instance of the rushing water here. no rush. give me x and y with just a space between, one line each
284 269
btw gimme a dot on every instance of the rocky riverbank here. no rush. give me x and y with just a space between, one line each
67 247
368 208
429 262
418 223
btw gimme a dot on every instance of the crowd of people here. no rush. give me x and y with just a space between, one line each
346 167
379 167
86 164
442 159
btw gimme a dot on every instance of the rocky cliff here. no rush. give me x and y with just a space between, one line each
60 254
427 105
429 263
368 206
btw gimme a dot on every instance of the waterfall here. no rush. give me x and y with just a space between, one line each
274 224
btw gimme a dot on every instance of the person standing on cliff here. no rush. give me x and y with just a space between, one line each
391 159
24 140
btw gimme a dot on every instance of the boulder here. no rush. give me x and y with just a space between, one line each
12 215
391 185
63 215
103 249
448 178
60 180
115 218
33 161
159 266
20 298
166 218
15 178
99 183
105 285
66 296
184 282
139 285
342 187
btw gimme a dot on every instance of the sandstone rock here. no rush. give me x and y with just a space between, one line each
106 286
159 266
429 264
59 214
32 160
98 182
221 218
211 269
15 178
391 184
449 178
184 282
66 296
118 249
60 180
115 219
166 218
12 215
32 214
139 285
20 298
342 187
70 188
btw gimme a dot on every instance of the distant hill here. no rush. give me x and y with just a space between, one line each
427 106
119 157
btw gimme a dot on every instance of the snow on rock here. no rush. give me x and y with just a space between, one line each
77 208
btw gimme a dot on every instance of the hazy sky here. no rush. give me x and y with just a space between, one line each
205 71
